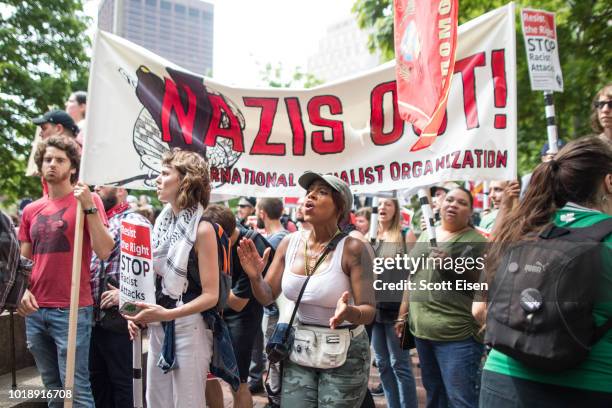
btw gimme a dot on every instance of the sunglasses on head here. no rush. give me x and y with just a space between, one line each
600 104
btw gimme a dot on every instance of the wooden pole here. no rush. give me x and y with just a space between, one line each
74 304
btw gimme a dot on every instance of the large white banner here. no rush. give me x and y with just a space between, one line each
259 141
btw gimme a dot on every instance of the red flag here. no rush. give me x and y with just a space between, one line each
425 44
477 190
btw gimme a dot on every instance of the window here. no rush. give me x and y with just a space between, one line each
179 9
151 3
165 5
194 13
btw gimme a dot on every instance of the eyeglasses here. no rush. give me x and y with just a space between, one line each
600 104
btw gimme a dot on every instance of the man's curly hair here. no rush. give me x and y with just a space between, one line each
67 145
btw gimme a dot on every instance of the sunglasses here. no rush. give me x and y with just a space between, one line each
600 104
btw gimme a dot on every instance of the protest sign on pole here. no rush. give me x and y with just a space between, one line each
540 35
137 283
425 33
259 141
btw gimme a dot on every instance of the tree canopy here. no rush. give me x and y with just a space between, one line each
42 60
275 76
584 36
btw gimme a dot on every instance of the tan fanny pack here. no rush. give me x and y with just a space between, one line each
322 347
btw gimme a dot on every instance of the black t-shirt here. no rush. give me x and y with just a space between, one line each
241 285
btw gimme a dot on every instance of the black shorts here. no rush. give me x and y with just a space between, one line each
242 328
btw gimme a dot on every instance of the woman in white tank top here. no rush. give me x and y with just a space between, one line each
339 294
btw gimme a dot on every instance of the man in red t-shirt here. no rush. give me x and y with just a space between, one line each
47 237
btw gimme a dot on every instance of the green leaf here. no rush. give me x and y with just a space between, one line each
42 60
584 37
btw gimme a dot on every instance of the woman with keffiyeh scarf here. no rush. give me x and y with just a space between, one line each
180 348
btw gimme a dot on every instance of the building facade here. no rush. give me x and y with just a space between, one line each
342 52
179 30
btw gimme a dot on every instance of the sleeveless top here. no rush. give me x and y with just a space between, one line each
324 288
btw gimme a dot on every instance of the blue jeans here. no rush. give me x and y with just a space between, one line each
449 370
394 367
47 339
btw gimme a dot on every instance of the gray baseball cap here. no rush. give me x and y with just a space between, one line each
334 182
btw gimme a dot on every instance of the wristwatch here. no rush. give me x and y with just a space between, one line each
92 210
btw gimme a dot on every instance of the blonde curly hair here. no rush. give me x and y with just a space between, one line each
194 184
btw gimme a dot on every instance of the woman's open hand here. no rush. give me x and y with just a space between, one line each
252 264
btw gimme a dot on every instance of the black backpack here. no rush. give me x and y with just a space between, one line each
541 299
14 269
225 271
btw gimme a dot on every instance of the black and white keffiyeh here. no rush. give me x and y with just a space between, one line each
173 238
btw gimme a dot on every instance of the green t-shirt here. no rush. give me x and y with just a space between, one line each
487 221
443 315
595 373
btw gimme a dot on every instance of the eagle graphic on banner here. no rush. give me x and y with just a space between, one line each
177 113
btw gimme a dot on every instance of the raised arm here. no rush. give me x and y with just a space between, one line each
102 242
267 289
509 201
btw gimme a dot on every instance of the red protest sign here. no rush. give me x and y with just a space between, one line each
135 240
538 23
425 44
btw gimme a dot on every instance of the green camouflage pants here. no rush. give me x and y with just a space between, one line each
342 387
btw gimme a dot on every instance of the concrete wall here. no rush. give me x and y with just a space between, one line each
22 357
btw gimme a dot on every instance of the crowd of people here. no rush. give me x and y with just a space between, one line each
310 266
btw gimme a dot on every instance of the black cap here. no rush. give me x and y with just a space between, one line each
57 117
247 201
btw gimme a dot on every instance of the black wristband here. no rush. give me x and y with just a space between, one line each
92 210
